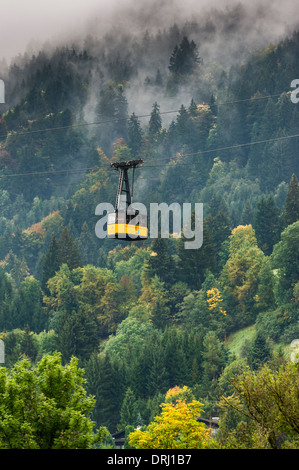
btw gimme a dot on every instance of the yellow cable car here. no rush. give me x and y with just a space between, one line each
126 223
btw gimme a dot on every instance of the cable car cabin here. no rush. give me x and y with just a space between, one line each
127 226
126 223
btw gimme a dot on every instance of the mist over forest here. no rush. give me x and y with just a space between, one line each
130 43
201 92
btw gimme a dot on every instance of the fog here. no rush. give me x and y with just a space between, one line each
225 31
26 25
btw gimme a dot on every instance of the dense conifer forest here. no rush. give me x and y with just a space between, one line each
148 321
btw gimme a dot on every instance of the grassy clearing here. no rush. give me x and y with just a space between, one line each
236 340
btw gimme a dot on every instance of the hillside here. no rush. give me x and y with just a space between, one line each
151 315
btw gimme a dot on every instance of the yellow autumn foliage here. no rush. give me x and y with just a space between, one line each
177 427
214 300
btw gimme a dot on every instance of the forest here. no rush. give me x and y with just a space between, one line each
110 335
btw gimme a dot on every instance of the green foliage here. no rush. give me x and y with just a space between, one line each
45 406
259 352
153 316
129 339
268 399
240 273
85 304
291 209
129 410
176 428
64 251
266 224
285 259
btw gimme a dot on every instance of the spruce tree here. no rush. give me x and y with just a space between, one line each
134 135
291 209
259 352
161 262
68 252
63 251
265 293
157 380
129 410
155 122
266 224
184 58
51 263
87 245
102 376
247 214
28 345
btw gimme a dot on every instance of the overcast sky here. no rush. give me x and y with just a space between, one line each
33 22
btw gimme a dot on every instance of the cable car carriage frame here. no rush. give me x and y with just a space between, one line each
126 222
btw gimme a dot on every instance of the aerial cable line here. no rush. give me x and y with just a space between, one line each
127 118
275 139
37 173
83 124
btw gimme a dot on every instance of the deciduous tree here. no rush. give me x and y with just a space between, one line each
177 427
269 400
45 406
